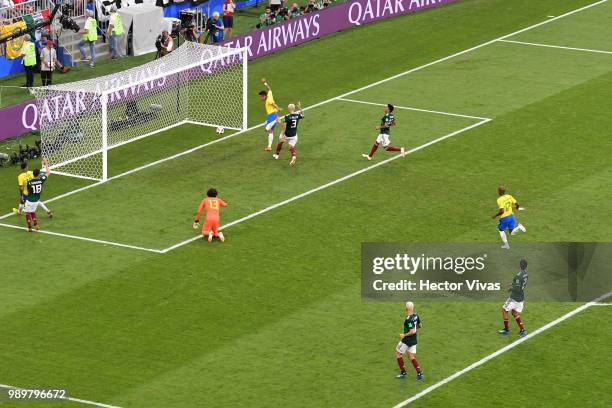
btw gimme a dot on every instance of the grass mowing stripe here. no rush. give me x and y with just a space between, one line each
502 350
550 20
556 46
77 400
331 183
503 37
415 109
80 238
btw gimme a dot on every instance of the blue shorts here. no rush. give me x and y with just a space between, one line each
507 222
271 121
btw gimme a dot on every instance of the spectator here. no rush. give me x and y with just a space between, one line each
275 5
115 30
294 11
325 3
28 52
48 60
266 19
311 7
90 36
228 17
8 10
283 14
167 44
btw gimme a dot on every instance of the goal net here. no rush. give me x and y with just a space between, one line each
196 83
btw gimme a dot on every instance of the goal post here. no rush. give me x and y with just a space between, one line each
80 122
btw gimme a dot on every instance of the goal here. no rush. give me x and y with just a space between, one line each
196 83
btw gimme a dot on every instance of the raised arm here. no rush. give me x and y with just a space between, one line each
45 164
266 84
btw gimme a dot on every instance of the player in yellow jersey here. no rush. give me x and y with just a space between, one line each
22 181
506 203
272 110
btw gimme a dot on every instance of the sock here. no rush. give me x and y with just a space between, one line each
392 149
519 322
270 139
293 152
502 234
416 366
28 221
374 148
400 363
506 324
279 146
43 206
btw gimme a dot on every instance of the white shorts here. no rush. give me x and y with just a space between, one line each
383 139
512 304
404 348
31 207
291 141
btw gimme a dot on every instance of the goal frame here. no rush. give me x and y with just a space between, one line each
104 98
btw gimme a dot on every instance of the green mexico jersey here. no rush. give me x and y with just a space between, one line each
388 119
412 322
518 286
35 187
292 120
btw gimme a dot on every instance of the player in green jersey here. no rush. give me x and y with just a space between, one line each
35 187
289 132
408 342
384 129
514 303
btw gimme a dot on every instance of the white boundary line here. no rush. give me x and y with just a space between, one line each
78 400
371 85
502 350
556 46
415 109
329 184
97 241
602 304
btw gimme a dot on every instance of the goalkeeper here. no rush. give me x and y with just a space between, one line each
212 204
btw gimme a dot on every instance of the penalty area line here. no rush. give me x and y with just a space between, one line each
339 97
560 47
329 184
71 399
459 115
502 350
80 238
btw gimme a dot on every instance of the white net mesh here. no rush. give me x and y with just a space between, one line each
80 121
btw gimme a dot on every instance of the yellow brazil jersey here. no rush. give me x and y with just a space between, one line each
270 103
506 202
22 180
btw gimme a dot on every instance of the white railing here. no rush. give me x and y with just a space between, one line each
9 13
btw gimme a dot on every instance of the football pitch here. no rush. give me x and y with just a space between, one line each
119 301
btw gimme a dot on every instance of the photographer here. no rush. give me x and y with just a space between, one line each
214 29
164 44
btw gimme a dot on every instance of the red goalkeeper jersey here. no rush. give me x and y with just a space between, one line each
212 206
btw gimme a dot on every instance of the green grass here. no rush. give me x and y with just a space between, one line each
273 317
11 93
